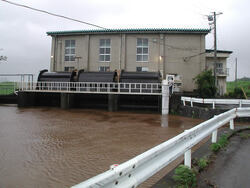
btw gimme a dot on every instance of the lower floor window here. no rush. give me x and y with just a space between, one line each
104 69
69 69
141 69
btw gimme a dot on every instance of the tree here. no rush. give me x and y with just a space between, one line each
206 84
3 58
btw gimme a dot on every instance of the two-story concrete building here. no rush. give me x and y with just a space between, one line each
220 68
170 51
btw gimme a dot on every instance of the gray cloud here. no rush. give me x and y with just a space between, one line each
24 39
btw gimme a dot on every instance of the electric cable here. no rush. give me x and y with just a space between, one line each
53 14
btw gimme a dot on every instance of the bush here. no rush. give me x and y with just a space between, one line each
184 177
237 93
206 84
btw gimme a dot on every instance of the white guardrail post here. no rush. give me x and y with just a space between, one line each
214 136
232 124
165 97
187 158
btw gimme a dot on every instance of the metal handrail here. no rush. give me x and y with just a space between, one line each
222 71
93 87
192 100
137 170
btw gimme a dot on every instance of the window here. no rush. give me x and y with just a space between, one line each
141 69
104 69
69 69
104 50
70 50
142 50
219 65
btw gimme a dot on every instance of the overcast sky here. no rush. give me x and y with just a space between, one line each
24 41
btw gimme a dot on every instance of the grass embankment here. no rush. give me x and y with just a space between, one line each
240 83
7 88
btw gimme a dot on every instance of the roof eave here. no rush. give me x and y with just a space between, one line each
128 31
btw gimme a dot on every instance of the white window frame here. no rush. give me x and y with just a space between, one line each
71 56
104 47
143 69
142 47
105 69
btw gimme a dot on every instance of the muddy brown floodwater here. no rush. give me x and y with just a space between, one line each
50 147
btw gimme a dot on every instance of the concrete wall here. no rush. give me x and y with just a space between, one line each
221 78
168 53
181 57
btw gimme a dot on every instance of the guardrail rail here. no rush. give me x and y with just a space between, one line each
140 168
192 100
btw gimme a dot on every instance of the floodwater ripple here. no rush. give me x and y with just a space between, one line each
51 147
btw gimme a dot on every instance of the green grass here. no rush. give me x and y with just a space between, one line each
244 84
202 163
6 88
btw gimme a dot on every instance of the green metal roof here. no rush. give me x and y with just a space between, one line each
144 30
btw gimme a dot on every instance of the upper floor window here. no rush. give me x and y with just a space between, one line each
104 50
142 50
218 65
141 69
70 50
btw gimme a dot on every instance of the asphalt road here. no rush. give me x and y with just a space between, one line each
230 167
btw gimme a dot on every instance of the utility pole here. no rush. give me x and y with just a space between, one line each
236 72
215 48
213 18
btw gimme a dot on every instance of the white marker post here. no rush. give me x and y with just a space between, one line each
165 97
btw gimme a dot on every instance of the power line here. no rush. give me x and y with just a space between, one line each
52 14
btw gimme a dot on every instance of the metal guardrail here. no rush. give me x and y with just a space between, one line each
222 71
93 87
192 100
137 170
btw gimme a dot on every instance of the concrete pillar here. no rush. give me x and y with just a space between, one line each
112 102
66 100
25 99
159 103
165 97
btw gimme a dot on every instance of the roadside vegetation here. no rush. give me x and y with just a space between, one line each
7 88
222 142
234 89
206 84
185 177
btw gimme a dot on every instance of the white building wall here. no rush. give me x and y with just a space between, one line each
168 53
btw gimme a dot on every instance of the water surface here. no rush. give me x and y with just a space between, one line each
51 147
